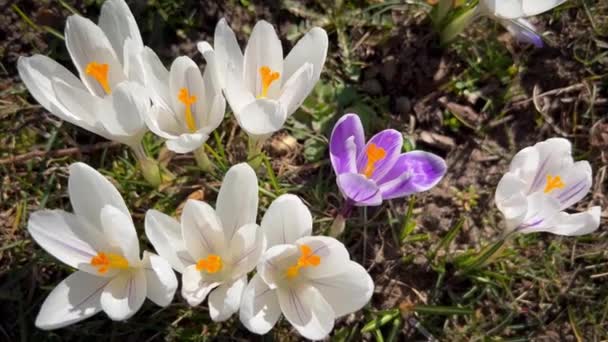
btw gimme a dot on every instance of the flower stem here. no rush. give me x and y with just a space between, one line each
337 227
254 152
152 171
202 159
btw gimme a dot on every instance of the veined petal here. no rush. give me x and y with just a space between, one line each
161 282
576 182
66 237
413 172
333 254
187 142
523 31
307 310
259 309
510 198
87 43
164 232
237 201
573 224
347 140
261 117
118 24
246 246
157 78
545 158
224 300
362 191
90 192
390 142
263 49
124 295
120 232
296 89
195 287
542 213
37 72
347 291
76 298
274 263
312 48
202 230
286 220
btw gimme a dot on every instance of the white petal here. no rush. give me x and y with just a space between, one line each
312 48
307 310
348 291
224 301
261 117
213 102
202 230
274 263
510 198
542 213
37 73
126 122
133 64
286 220
160 279
577 182
90 192
237 201
164 232
87 108
187 142
523 31
576 224
74 299
157 78
551 156
195 287
66 237
124 295
228 54
237 95
87 43
534 7
263 49
185 73
259 309
118 23
332 252
247 246
120 232
297 88
162 122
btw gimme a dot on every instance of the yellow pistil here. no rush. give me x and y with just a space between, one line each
212 264
104 262
374 155
307 259
554 183
184 97
268 76
99 71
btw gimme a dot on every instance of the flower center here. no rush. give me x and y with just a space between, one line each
553 183
104 262
212 264
374 155
184 97
99 72
268 76
307 259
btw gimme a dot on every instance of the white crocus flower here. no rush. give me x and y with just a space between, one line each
543 181
512 13
108 98
309 279
262 88
216 248
98 239
187 107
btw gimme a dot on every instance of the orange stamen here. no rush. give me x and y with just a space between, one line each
553 183
268 76
184 97
212 264
100 73
374 155
307 259
104 262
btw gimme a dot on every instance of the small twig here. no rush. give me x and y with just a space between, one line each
22 158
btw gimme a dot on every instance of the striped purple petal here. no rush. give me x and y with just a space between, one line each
412 172
360 190
347 139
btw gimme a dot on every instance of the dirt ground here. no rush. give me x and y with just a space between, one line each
475 102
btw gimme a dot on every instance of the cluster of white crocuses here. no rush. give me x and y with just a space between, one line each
310 280
124 89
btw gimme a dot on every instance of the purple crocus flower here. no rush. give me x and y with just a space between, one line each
369 173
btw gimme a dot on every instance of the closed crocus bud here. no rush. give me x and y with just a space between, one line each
543 181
